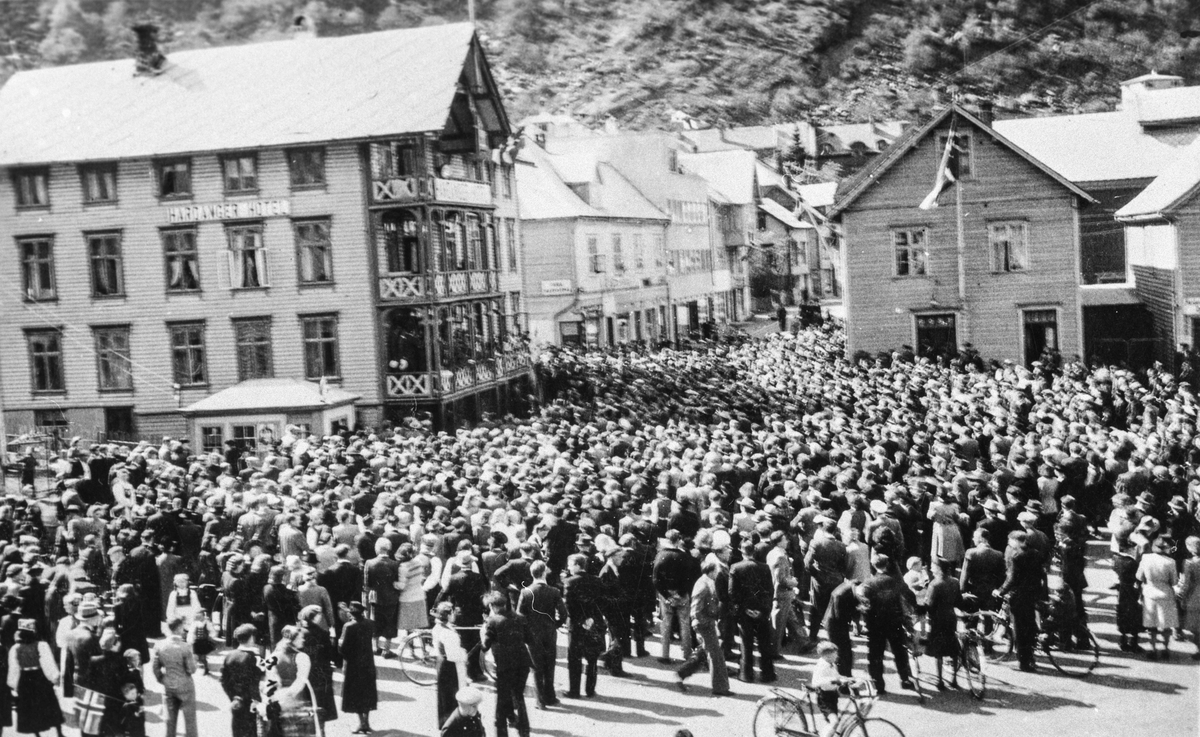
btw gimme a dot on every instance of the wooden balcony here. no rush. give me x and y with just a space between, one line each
405 190
426 287
431 385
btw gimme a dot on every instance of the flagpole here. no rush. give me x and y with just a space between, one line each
962 250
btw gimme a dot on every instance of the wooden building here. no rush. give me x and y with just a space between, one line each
337 210
995 264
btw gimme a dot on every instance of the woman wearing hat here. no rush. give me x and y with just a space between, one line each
1158 576
947 542
31 672
319 649
360 693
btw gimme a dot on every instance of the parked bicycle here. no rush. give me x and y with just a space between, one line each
418 658
975 647
783 713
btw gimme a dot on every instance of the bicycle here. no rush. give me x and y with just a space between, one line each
418 658
974 645
781 713
1076 662
914 662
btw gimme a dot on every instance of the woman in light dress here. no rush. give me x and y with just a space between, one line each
1159 614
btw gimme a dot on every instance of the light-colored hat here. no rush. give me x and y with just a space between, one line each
469 696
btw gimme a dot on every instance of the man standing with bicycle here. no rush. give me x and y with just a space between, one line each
1024 585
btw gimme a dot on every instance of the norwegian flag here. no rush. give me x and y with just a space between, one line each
89 709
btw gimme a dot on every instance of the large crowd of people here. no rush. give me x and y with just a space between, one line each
739 502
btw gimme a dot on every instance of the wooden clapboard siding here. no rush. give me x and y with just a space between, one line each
880 306
549 252
1187 233
1156 288
147 307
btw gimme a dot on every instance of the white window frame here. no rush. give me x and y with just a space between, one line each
236 235
908 247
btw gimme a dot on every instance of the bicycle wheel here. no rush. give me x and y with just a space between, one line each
972 663
873 727
776 716
418 659
1076 662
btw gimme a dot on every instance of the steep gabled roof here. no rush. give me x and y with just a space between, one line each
851 189
236 97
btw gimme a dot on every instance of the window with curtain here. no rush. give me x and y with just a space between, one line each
32 187
99 183
252 336
183 261
306 167
46 361
241 173
320 336
37 268
1010 245
105 252
476 253
247 257
314 251
456 247
113 365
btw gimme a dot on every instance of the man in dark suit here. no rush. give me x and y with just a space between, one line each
825 562
514 575
1024 585
343 580
143 566
240 676
585 639
883 601
465 591
983 571
542 606
508 637
751 590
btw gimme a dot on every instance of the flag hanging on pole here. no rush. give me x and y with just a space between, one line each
945 173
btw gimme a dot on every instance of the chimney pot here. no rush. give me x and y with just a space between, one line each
149 60
304 27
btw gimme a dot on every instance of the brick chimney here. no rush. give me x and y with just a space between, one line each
987 112
304 27
148 60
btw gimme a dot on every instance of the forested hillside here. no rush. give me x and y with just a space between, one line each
740 61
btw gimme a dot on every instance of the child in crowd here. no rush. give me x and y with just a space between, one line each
202 638
133 711
826 681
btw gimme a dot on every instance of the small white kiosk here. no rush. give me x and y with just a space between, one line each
254 413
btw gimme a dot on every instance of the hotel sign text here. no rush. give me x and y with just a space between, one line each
229 211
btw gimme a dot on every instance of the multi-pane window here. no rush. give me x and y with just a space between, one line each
114 370
306 167
51 420
320 347
393 160
476 253
252 336
1009 245
212 438
174 178
912 251
659 248
639 246
594 256
45 360
510 238
240 173
183 261
314 251
37 268
188 355
32 187
99 183
618 255
104 250
247 257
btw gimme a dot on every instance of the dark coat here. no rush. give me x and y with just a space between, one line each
343 580
359 690
751 588
508 637
240 678
542 606
465 590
